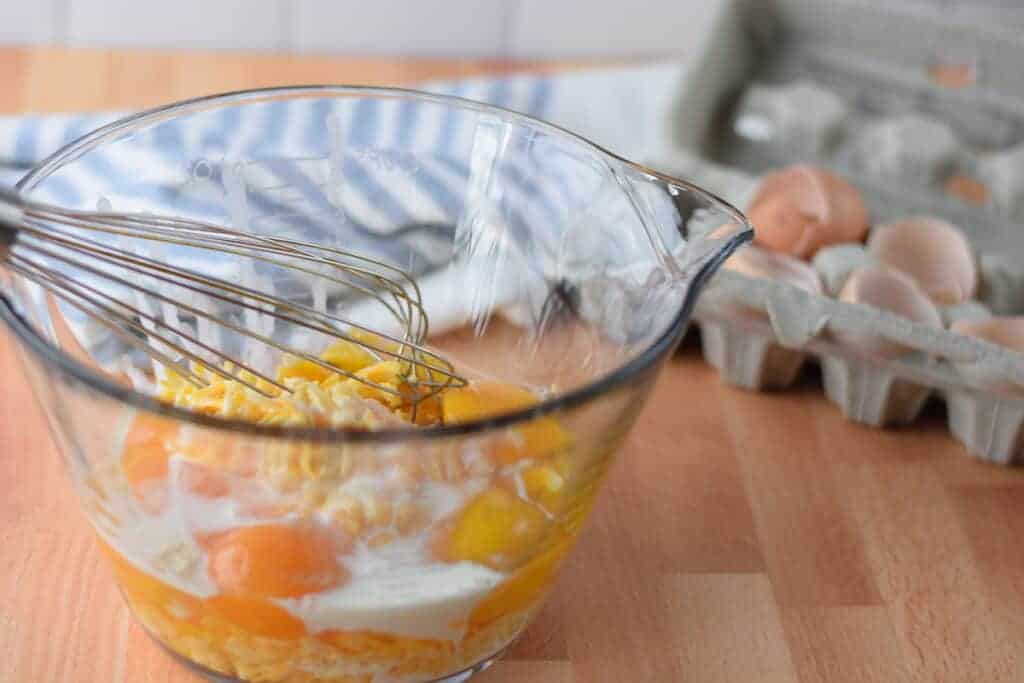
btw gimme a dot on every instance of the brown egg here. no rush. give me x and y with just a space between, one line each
769 265
800 209
1007 331
933 252
888 290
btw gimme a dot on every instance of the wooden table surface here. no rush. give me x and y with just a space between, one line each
741 537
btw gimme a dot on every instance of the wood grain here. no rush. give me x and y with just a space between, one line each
727 627
740 538
795 498
851 643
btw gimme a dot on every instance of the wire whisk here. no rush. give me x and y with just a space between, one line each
58 250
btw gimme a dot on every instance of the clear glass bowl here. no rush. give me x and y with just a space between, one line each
405 554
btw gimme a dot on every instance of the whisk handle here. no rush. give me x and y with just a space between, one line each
12 214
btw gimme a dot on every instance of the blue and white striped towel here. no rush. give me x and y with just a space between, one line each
192 169
622 109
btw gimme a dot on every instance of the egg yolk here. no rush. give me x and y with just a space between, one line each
496 528
546 486
303 369
143 588
274 561
341 354
347 356
145 456
387 374
484 399
256 616
522 588
538 438
253 615
428 412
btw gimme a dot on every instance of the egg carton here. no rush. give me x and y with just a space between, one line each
784 327
923 116
759 334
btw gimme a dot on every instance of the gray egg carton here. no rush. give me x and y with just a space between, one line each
796 81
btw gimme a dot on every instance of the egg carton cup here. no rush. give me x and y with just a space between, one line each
767 352
748 355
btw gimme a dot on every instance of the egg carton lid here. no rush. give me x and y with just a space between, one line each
865 52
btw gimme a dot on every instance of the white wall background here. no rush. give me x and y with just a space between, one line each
442 28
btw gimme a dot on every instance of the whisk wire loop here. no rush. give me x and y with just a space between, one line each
45 244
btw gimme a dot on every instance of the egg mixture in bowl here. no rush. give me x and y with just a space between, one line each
319 563
306 522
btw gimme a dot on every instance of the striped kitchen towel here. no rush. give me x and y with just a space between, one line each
399 172
283 150
622 108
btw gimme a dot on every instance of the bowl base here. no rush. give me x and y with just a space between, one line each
214 677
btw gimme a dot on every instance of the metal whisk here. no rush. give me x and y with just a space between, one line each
45 243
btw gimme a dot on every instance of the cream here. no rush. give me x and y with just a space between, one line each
396 589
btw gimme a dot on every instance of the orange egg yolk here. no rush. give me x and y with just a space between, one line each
274 561
537 438
256 616
144 460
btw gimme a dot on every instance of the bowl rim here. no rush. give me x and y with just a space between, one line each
619 376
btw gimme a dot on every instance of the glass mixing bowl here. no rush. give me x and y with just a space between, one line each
262 552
